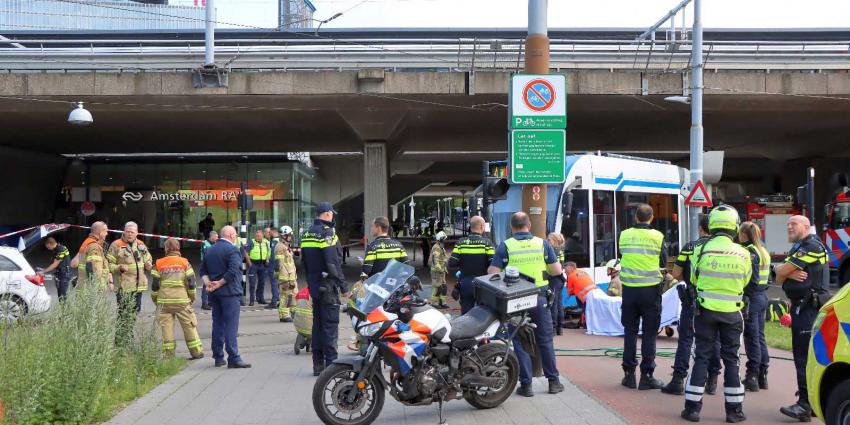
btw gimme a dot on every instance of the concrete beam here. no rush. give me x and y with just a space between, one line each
606 82
731 82
797 83
425 83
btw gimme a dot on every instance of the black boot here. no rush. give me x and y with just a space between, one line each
691 412
317 369
735 413
711 384
555 386
751 382
525 390
763 379
800 411
629 380
648 382
559 330
676 386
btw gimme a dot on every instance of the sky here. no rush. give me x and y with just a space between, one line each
562 13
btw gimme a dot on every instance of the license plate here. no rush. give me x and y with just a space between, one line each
520 304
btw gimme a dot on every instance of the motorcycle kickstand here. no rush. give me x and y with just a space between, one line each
440 410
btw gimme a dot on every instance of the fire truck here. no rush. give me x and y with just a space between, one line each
836 234
771 213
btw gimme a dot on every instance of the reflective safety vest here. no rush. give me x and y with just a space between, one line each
259 251
529 256
721 270
171 286
764 263
640 250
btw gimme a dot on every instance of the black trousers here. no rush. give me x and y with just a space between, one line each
640 304
708 326
803 316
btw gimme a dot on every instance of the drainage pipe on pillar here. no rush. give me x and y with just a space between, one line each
536 62
209 35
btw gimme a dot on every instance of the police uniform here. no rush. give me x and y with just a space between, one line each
556 284
720 269
92 269
380 251
173 291
754 340
259 254
287 279
63 271
438 262
129 284
642 258
808 255
531 255
685 344
321 255
472 255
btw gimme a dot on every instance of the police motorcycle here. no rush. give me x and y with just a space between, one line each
420 356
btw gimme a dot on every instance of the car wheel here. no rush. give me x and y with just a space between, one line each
837 410
12 308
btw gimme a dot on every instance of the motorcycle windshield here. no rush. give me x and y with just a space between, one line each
381 286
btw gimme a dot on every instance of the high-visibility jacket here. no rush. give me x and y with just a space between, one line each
380 252
580 284
472 255
529 256
92 267
764 263
640 249
134 256
173 285
721 269
259 251
285 271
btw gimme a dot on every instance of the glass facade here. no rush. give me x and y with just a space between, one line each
173 198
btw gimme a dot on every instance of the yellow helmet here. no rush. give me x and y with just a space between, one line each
724 217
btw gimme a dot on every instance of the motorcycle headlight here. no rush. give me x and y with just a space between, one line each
370 329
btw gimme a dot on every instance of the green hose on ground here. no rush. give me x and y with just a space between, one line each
617 353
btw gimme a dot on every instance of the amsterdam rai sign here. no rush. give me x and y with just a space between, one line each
538 101
537 156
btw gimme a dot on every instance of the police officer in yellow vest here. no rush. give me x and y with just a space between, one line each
259 252
720 269
643 255
534 257
756 293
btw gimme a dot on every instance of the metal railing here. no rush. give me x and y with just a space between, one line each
308 52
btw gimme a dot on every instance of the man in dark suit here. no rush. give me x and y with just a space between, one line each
220 271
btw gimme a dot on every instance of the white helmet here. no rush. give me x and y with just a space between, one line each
440 236
285 230
613 264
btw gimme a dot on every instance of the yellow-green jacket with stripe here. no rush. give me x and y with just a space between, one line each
380 251
642 256
173 282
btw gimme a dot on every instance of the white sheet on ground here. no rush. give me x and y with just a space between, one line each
602 311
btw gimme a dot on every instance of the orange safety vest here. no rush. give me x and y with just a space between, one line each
580 284
89 240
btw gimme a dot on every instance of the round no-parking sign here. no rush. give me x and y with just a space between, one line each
87 208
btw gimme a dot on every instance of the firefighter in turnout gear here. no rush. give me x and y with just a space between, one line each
438 261
173 291
129 260
643 256
720 270
756 294
383 249
286 274
92 268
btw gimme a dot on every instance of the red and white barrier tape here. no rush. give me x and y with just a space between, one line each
49 228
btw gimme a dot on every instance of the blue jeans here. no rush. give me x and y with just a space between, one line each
225 325
754 341
541 317
257 281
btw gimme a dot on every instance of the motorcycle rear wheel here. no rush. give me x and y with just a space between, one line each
329 393
492 354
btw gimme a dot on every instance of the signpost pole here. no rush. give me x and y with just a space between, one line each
536 62
696 115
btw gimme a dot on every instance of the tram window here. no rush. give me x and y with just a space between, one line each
576 231
604 232
664 207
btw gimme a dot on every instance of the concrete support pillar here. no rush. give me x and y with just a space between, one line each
375 179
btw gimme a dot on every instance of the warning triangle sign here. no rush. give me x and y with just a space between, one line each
698 196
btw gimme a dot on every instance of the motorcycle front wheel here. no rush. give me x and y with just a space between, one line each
492 355
331 399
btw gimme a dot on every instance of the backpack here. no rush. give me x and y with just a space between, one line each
776 308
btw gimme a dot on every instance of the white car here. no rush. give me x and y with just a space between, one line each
22 291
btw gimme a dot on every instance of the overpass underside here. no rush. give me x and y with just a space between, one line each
398 133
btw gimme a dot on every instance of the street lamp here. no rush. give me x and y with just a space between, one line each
337 15
679 99
80 116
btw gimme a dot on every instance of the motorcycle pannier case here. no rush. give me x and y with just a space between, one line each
506 299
